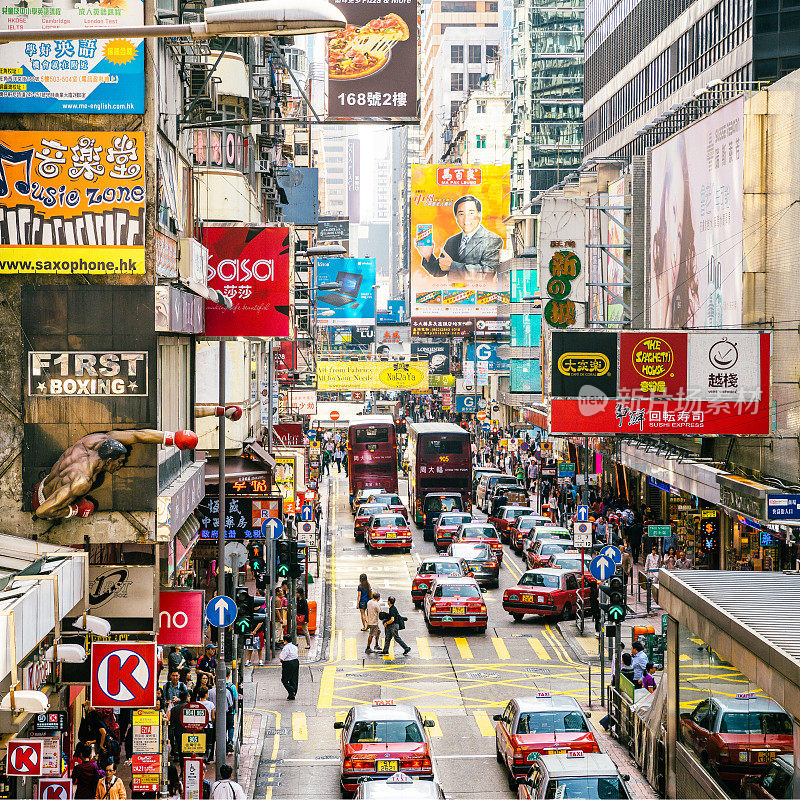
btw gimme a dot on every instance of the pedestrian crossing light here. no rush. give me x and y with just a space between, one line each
616 599
283 559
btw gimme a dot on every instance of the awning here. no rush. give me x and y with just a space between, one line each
259 452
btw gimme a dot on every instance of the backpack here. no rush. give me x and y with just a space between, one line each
113 746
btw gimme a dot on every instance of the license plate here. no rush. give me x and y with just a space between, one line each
391 535
387 766
765 758
556 752
527 598
458 610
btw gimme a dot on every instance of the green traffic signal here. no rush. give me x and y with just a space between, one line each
616 613
616 599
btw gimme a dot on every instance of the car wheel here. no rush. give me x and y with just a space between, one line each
512 782
417 604
518 617
566 612
497 753
428 625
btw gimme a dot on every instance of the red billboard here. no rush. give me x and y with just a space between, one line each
252 265
123 675
180 617
652 364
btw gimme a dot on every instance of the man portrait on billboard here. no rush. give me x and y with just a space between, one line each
472 253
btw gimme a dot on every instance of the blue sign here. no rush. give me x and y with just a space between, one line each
486 427
466 403
221 611
396 311
487 351
602 568
566 469
306 514
665 487
582 514
312 435
354 303
272 527
783 506
613 553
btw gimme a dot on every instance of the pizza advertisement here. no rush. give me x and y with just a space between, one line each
372 63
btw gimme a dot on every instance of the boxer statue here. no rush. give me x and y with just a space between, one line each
209 410
83 466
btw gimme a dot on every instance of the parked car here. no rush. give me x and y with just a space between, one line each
775 784
544 592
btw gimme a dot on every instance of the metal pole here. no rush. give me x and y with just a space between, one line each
221 755
271 598
234 674
291 535
603 666
586 471
271 377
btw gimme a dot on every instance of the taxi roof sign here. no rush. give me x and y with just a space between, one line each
575 754
399 777
380 702
746 695
543 694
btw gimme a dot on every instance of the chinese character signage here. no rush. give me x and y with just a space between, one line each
652 363
253 267
345 376
394 340
584 364
81 76
71 203
459 240
372 63
244 516
354 302
696 209
441 326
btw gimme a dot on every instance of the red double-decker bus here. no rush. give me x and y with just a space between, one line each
372 454
439 460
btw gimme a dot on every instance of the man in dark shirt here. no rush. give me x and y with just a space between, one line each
394 623
173 687
208 663
86 774
175 727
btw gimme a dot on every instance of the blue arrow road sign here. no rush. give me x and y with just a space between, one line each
221 611
582 514
609 551
486 427
306 514
602 567
272 527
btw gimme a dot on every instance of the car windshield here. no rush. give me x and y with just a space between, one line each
765 722
548 548
439 568
452 519
513 513
526 524
552 722
538 579
471 552
389 499
385 520
465 590
569 563
586 788
368 511
438 504
385 730
486 531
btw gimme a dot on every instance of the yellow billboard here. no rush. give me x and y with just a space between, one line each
345 376
459 239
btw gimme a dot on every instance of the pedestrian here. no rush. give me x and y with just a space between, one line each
634 532
86 773
670 559
254 645
652 564
203 682
363 594
175 660
338 458
393 624
302 615
207 665
290 666
373 622
202 698
230 717
627 570
626 669
638 661
173 687
683 561
226 788
110 785
92 730
174 727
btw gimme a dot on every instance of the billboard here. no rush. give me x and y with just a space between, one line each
253 266
437 355
668 382
696 207
436 328
372 63
346 376
459 240
394 340
299 195
487 352
72 202
354 302
81 76
332 230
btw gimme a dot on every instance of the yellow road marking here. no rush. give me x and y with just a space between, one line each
276 739
390 655
436 731
424 648
341 716
299 727
485 725
350 652
684 657
538 648
325 698
502 650
553 638
464 649
515 571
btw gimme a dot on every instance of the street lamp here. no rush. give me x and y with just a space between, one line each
256 18
322 250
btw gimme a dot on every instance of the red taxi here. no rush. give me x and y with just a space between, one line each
364 514
446 526
540 551
380 740
430 569
387 530
481 532
393 501
522 528
545 724
507 516
544 592
455 603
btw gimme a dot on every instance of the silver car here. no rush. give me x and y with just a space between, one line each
401 786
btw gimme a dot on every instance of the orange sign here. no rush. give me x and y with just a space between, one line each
334 415
481 415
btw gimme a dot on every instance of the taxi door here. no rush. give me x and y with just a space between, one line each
504 733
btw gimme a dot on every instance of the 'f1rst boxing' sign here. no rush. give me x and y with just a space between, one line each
87 374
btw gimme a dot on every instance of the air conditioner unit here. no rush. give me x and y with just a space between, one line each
261 165
192 260
207 98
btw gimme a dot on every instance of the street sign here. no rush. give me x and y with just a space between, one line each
146 772
194 717
146 731
613 553
193 743
24 757
566 469
235 554
221 611
582 534
486 427
334 415
659 530
49 723
123 675
192 778
55 788
481 415
272 528
307 514
582 514
180 615
602 567
306 532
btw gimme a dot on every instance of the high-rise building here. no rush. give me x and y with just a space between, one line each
459 39
335 149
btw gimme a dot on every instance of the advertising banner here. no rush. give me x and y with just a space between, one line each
181 617
437 355
123 595
487 352
81 76
253 266
459 240
584 364
466 403
303 402
243 516
300 188
696 208
395 311
426 327
652 363
372 63
345 376
71 202
354 303
333 230
394 339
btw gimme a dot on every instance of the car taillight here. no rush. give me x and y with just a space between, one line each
491 564
362 764
519 757
347 763
483 609
433 607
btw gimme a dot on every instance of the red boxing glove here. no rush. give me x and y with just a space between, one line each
83 508
233 412
183 440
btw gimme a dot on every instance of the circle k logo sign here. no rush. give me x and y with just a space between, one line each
123 675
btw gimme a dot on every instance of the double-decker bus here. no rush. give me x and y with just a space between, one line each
371 454
439 460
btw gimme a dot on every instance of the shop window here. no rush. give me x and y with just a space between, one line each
526 330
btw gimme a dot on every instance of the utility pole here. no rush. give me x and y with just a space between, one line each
222 694
272 571
586 471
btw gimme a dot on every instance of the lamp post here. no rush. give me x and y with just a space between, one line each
375 321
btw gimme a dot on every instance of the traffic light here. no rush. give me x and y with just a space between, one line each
256 556
244 623
616 599
296 565
283 558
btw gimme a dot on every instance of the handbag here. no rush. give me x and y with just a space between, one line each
301 618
